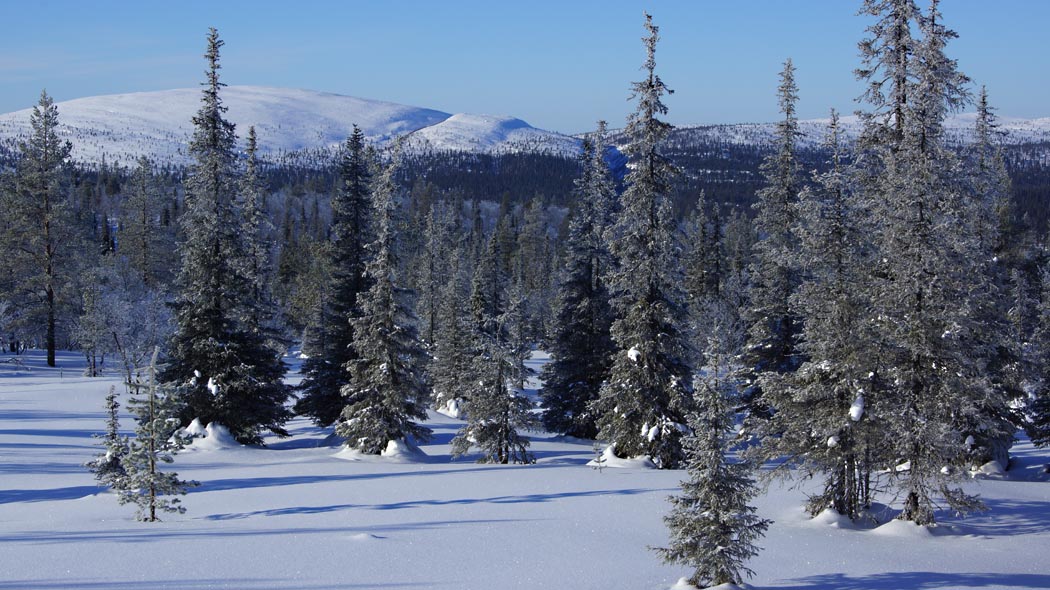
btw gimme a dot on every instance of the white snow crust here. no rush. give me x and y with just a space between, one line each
280 517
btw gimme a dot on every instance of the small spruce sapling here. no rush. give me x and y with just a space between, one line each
157 439
108 466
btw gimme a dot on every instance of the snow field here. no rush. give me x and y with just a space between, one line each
296 516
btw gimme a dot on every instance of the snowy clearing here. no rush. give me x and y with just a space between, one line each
296 516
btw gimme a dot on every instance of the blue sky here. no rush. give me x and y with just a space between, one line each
558 65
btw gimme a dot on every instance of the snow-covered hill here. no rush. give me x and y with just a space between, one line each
488 133
121 127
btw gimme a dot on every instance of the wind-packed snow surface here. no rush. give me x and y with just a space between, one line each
295 515
122 127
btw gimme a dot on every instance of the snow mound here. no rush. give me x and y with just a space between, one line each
609 459
831 518
216 438
194 430
365 537
396 451
452 408
904 529
683 584
990 470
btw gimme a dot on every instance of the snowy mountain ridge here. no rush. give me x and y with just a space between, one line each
122 127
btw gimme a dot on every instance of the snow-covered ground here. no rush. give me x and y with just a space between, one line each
295 515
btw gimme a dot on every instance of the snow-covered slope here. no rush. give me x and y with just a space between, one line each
122 127
960 129
493 134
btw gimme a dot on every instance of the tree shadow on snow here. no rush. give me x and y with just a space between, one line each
920 581
70 493
1004 518
185 584
151 534
523 499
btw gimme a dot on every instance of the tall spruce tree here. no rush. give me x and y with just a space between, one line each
222 369
581 346
42 217
774 329
329 340
642 407
257 230
387 388
826 415
930 359
454 346
139 228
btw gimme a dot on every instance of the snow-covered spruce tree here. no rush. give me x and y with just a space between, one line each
496 409
704 266
329 338
713 528
774 329
156 441
108 466
1038 409
642 406
221 368
139 233
825 413
42 220
580 345
929 357
454 346
438 241
257 231
387 388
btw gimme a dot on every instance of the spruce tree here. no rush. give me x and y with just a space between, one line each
221 367
643 405
454 351
42 217
139 231
771 343
387 388
930 358
713 527
496 408
156 441
257 230
329 339
581 346
826 413
108 466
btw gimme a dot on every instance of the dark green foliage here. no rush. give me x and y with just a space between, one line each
43 225
221 367
329 341
580 346
387 389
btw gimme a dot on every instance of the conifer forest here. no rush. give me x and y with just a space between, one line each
809 354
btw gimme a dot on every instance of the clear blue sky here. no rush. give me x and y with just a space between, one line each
558 65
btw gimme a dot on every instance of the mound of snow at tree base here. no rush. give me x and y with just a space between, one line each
281 517
396 451
213 437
